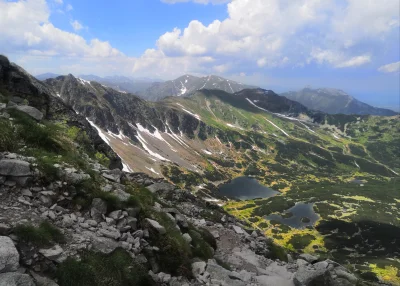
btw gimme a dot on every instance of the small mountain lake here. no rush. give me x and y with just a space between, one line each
246 188
299 216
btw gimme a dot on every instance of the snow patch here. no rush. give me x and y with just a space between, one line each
84 82
355 162
126 168
101 133
152 170
191 113
145 147
273 124
234 126
156 134
206 152
58 94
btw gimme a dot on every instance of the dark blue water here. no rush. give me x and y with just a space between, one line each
303 215
246 188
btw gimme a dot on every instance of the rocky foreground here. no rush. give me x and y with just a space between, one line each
239 256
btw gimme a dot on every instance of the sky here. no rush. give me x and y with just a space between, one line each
283 45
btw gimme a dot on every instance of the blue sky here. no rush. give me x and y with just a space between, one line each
277 44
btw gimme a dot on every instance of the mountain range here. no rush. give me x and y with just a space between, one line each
335 101
345 168
187 84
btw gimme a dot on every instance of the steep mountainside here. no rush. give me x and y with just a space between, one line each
345 168
187 84
334 101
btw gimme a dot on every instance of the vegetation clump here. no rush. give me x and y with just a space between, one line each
43 235
96 269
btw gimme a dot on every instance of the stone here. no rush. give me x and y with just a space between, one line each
121 195
215 233
104 245
15 168
4 229
110 233
132 222
42 281
238 229
67 221
54 253
165 187
31 111
16 279
98 209
346 275
308 257
116 215
26 193
308 276
155 225
113 175
301 262
187 237
198 268
91 222
75 178
9 256
181 221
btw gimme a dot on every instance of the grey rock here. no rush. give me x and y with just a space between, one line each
31 111
75 178
238 229
215 233
116 215
133 212
308 257
308 276
164 187
155 225
26 193
42 281
4 229
187 237
16 279
301 262
181 221
54 253
98 209
132 222
346 275
67 221
113 175
91 222
103 244
15 168
9 256
110 233
123 196
198 268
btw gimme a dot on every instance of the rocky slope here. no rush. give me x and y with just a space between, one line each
187 84
334 101
194 142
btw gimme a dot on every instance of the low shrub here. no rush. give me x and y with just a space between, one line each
96 269
45 234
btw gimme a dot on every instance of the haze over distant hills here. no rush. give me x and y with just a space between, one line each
334 101
188 83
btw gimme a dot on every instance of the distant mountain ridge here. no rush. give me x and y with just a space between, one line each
334 101
187 84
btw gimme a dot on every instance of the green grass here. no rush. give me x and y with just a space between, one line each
8 137
44 235
95 269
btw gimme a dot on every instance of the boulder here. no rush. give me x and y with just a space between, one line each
15 168
155 225
98 209
110 233
113 175
164 187
42 281
31 111
103 244
54 253
308 257
16 279
9 256
187 237
121 195
309 276
116 215
198 268
238 229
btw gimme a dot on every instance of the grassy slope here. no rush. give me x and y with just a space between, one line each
313 167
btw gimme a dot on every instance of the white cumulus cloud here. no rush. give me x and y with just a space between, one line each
390 68
215 2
